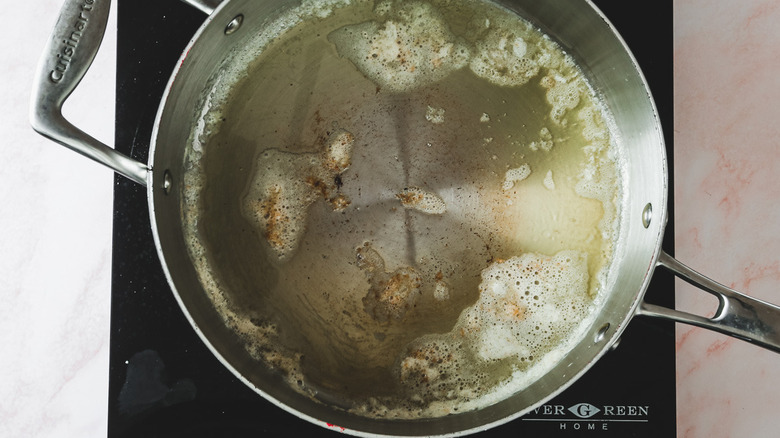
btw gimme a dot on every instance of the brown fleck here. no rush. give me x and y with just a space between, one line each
276 220
319 185
409 198
339 202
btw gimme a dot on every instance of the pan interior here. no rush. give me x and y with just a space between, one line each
405 210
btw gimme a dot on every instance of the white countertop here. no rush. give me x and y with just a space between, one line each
55 226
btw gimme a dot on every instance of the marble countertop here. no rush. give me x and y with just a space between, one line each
727 214
55 226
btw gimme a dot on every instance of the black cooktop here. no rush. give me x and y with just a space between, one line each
164 382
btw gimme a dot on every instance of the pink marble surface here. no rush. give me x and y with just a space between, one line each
727 188
55 226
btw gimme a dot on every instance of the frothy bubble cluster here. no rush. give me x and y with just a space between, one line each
390 294
411 48
563 94
261 338
441 291
529 310
598 175
504 55
435 115
422 200
285 184
549 182
528 303
515 175
545 142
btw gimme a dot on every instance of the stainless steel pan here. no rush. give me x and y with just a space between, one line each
579 27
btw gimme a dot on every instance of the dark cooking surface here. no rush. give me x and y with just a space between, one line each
165 383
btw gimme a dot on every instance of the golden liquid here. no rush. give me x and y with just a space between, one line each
454 138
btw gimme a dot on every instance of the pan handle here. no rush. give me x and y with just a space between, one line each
738 315
65 60
205 6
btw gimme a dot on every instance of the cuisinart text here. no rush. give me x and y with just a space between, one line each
70 42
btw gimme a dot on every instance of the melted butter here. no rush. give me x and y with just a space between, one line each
390 236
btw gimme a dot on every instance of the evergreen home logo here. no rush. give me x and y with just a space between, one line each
587 416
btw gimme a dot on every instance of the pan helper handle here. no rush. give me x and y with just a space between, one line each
66 59
205 6
738 315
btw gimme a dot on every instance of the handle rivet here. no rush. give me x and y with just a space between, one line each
647 215
601 333
167 182
234 24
